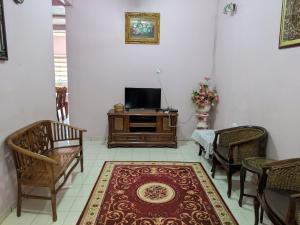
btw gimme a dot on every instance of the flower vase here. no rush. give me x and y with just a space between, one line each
203 115
203 109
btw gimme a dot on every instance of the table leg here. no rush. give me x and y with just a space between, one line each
261 218
256 210
242 183
201 149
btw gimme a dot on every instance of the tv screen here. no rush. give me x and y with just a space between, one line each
145 98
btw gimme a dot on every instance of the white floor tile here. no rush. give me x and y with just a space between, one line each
42 219
25 219
71 201
79 203
65 203
72 217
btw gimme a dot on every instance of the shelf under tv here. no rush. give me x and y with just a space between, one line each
142 124
142 128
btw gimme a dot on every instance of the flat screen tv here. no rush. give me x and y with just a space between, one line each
142 98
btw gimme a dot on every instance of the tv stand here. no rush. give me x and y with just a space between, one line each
142 128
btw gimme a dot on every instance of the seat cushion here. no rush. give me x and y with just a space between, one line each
64 156
278 202
37 174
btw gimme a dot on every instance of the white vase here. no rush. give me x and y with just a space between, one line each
202 120
204 109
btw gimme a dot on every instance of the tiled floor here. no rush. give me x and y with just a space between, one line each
72 200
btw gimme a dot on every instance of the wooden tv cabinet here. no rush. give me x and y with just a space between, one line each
142 128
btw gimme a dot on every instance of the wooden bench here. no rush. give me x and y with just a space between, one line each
43 156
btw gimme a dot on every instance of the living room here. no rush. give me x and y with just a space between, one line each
255 79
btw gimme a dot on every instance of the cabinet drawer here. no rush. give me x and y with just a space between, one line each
127 137
158 137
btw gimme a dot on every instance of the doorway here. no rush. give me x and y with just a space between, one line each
60 62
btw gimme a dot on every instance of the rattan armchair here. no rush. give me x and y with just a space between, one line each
232 145
279 192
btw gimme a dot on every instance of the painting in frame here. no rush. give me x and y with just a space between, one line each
142 28
290 24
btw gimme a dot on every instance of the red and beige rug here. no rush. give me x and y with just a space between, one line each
155 193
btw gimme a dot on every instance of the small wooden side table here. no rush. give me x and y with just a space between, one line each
253 165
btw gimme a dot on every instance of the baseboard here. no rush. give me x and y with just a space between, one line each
6 212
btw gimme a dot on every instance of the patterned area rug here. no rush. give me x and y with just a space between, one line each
155 193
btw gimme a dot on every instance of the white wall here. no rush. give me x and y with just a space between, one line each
101 65
27 81
258 83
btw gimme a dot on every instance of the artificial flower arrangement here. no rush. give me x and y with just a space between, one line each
205 96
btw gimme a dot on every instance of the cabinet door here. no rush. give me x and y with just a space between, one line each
169 124
118 124
166 122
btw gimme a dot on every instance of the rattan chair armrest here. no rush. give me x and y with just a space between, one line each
282 164
236 146
231 129
228 136
281 174
226 130
31 154
232 144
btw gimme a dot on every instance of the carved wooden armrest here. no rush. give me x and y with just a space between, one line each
30 154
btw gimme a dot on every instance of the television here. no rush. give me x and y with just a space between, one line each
142 98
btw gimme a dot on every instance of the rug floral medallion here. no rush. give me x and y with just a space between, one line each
155 193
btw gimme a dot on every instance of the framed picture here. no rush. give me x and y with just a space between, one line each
290 24
3 46
142 28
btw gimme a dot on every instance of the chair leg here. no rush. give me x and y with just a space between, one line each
53 204
256 211
213 169
242 182
19 200
81 161
62 114
261 218
67 109
229 180
57 114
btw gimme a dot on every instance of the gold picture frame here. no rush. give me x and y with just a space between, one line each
142 28
290 24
